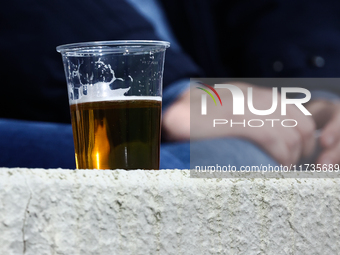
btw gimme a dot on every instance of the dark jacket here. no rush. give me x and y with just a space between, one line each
262 38
237 38
33 84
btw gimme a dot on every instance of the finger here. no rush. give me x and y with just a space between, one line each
307 130
293 140
322 112
282 144
330 135
330 155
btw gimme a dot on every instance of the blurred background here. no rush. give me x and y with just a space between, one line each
209 38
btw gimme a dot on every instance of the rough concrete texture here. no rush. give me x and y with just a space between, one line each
165 212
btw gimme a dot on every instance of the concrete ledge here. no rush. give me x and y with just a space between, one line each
165 212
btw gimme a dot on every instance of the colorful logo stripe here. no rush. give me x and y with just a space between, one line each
208 93
212 89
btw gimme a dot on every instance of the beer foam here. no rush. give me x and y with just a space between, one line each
101 91
87 100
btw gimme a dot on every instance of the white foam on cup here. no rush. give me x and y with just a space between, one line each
101 91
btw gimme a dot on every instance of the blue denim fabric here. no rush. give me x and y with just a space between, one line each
223 151
172 92
325 95
175 155
152 11
50 145
228 151
36 144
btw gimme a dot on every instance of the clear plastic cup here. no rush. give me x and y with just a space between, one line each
115 96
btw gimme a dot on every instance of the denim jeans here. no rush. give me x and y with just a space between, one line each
50 145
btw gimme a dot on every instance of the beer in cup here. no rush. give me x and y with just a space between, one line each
115 96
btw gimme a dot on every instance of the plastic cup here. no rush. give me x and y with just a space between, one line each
115 96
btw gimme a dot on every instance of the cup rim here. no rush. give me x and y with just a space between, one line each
116 46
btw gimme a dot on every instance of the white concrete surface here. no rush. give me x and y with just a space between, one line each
165 212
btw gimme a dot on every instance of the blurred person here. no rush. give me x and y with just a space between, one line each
34 105
270 38
245 39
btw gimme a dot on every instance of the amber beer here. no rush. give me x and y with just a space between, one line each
115 92
117 134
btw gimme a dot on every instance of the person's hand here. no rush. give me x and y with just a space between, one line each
176 119
327 117
285 144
